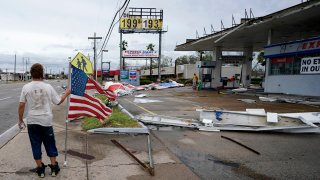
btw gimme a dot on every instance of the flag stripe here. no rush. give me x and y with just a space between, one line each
75 112
98 110
97 101
82 114
87 106
92 84
95 104
79 102
87 109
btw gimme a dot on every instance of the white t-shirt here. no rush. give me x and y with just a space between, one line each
39 97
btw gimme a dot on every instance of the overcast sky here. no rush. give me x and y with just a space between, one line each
49 31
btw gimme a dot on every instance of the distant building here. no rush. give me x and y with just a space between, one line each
19 76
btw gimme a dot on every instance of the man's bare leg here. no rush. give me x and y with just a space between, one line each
53 160
39 162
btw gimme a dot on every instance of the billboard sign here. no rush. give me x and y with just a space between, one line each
140 53
124 74
133 74
140 23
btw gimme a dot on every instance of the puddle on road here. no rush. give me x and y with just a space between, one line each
206 166
144 101
81 155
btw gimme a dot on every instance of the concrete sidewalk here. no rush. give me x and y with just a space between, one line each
93 156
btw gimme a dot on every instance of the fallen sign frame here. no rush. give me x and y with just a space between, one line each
149 169
143 131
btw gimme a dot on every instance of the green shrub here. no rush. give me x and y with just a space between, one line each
186 82
145 81
119 119
91 123
116 119
256 80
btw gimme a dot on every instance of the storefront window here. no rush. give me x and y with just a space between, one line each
288 65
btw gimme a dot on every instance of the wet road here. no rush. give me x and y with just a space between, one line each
282 156
9 100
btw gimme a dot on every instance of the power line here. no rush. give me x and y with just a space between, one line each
116 23
112 25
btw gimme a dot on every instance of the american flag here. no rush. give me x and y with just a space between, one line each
92 84
82 104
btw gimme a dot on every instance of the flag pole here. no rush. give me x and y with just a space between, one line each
68 103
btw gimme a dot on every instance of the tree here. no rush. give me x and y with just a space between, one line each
150 47
261 58
124 45
166 61
182 60
193 59
207 56
200 53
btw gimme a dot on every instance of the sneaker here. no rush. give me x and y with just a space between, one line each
54 169
41 170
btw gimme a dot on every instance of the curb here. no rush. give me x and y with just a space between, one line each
125 111
8 135
122 109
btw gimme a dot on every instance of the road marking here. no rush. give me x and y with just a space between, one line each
5 98
141 107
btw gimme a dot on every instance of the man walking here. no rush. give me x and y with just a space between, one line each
39 97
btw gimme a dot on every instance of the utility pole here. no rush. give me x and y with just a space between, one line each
15 63
121 48
94 54
25 60
7 75
159 60
27 68
104 50
23 69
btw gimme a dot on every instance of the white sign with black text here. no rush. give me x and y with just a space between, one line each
310 65
140 53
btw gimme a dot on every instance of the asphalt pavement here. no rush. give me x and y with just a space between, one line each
209 156
9 100
178 153
92 156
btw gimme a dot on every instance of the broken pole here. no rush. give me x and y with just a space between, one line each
241 144
149 169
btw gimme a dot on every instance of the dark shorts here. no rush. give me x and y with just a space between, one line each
41 134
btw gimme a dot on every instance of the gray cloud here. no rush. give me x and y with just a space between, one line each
49 31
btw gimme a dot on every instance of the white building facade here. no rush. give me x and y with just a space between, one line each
294 67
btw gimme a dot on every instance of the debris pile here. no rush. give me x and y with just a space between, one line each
122 89
259 120
249 120
291 99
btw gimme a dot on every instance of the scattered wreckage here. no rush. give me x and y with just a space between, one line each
122 89
249 120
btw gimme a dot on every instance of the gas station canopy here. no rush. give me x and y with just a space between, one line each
297 22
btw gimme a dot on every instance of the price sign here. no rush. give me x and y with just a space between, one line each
152 24
139 23
130 23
